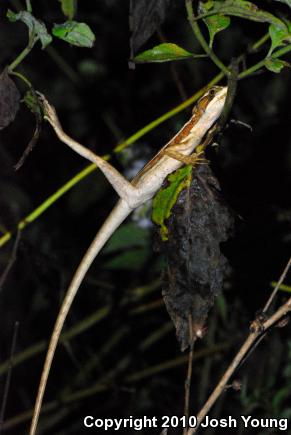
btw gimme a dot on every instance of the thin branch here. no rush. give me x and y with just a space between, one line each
99 386
21 77
91 168
281 312
8 377
134 137
24 53
201 40
274 292
192 340
261 64
28 6
11 260
231 91
257 330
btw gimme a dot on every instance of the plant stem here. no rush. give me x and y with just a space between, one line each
28 6
133 138
261 64
21 77
19 58
30 44
24 53
201 40
260 42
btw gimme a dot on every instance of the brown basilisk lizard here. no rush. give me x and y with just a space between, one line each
145 184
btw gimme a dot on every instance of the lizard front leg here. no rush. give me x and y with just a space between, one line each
121 185
192 159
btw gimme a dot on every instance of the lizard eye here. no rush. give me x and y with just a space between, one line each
212 92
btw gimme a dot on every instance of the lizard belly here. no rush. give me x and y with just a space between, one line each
153 179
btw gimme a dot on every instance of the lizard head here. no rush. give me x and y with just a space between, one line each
205 114
212 100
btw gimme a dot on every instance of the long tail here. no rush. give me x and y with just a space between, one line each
117 216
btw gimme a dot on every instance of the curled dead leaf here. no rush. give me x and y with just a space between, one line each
9 99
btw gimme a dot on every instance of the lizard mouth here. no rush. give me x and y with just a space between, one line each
219 98
222 91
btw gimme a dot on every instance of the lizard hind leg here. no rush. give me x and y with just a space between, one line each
121 185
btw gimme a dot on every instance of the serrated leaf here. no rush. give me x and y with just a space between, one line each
165 199
165 52
69 8
242 9
78 34
37 28
275 65
279 36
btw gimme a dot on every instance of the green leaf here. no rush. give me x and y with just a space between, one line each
242 9
37 29
166 198
280 397
12 16
78 34
125 237
130 246
287 2
163 53
128 260
215 24
275 65
279 36
69 8
222 307
31 101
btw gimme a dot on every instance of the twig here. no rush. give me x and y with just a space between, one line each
8 377
71 333
281 312
11 260
129 141
261 64
24 53
202 388
201 40
189 373
274 292
257 330
100 386
231 91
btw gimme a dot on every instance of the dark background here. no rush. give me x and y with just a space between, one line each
101 102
